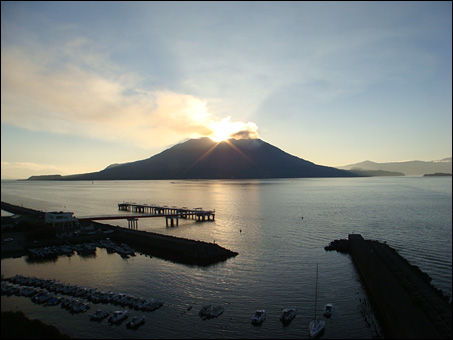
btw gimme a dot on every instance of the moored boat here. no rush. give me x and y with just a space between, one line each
287 315
136 322
328 310
259 317
99 315
316 326
118 316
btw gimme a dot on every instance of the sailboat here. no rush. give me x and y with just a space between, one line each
316 326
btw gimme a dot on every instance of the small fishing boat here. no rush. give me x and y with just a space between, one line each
259 317
287 315
328 310
99 315
118 316
136 322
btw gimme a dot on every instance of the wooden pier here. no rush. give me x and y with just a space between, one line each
171 214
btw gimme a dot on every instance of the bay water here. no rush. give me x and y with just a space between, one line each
279 227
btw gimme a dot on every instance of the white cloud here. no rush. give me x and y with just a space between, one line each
59 92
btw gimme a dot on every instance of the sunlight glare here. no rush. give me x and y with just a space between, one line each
226 129
222 130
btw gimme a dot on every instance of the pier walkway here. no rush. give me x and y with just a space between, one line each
171 214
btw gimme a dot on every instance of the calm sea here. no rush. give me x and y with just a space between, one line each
278 252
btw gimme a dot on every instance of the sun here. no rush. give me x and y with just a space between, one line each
222 130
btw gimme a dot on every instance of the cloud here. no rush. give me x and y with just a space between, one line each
76 90
245 134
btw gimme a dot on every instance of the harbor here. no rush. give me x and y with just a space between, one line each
275 269
75 299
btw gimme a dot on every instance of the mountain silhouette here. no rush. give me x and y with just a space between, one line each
205 159
409 168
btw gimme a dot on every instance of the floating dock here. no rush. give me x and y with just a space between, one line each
408 306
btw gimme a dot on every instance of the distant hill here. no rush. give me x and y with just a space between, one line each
437 174
205 159
409 168
375 173
44 177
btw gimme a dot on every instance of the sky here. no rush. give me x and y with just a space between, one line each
88 84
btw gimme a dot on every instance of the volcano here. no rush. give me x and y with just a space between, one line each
205 159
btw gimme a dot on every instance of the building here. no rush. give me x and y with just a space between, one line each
61 220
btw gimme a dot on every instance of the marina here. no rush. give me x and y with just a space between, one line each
76 299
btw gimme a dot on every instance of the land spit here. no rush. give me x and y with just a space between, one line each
408 306
172 248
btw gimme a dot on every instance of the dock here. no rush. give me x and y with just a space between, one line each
171 214
407 305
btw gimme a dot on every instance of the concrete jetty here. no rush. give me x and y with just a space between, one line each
178 249
407 305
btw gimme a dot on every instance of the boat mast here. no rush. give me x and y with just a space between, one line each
316 290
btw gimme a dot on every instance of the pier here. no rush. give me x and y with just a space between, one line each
155 210
171 214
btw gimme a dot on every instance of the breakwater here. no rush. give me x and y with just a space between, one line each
408 306
172 248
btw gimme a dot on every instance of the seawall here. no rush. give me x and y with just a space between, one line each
178 249
407 305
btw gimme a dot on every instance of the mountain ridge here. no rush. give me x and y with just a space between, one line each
408 168
205 159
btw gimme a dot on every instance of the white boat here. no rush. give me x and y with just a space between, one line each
328 310
287 315
316 326
259 317
136 322
99 315
118 316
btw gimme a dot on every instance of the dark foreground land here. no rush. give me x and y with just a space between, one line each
15 325
408 306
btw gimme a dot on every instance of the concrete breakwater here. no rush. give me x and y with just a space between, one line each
172 248
408 306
